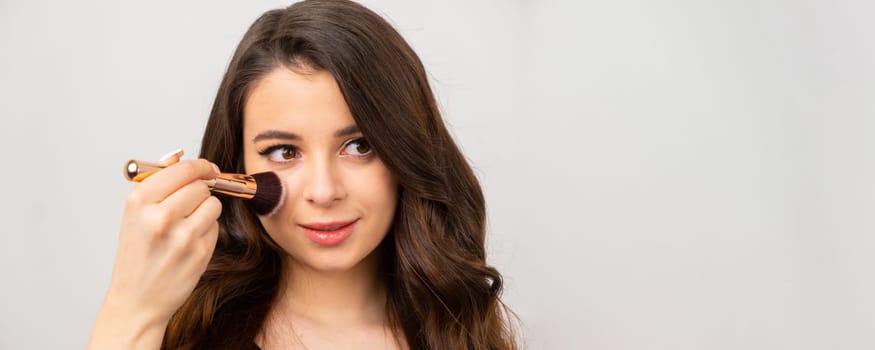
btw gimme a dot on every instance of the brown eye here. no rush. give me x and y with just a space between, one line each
358 147
363 147
281 153
289 153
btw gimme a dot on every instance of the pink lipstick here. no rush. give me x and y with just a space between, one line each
329 233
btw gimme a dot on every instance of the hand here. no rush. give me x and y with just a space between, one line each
168 234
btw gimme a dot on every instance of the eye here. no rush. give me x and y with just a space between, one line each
281 153
357 147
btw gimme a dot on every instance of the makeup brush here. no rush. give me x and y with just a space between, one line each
264 191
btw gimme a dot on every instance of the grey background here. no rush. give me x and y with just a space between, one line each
659 174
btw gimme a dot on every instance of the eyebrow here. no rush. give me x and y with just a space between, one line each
290 136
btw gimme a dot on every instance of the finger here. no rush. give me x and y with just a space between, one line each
208 242
186 199
204 217
212 233
201 246
159 186
199 250
209 238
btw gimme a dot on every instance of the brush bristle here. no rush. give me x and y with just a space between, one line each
269 193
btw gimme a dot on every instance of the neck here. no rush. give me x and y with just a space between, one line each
351 297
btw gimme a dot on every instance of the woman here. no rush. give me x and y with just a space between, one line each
380 241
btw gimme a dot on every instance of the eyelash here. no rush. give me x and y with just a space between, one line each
362 142
267 151
271 149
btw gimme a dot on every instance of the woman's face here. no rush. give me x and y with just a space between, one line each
340 198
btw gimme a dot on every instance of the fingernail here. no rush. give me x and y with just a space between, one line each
167 156
216 168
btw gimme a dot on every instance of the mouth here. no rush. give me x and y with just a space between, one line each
328 226
329 233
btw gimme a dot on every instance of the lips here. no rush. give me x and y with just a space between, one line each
329 233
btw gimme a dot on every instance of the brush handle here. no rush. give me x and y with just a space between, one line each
234 185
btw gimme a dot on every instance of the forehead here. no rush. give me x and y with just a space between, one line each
304 100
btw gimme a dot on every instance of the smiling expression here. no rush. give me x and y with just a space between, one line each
340 196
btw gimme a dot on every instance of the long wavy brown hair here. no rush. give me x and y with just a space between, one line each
441 292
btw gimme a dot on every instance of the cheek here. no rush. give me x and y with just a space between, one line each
370 188
378 190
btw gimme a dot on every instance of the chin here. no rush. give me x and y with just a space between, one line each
333 261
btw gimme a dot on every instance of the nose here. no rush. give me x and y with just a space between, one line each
324 186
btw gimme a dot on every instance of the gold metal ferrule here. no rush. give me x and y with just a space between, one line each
235 185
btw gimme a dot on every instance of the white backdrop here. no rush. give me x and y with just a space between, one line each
659 174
